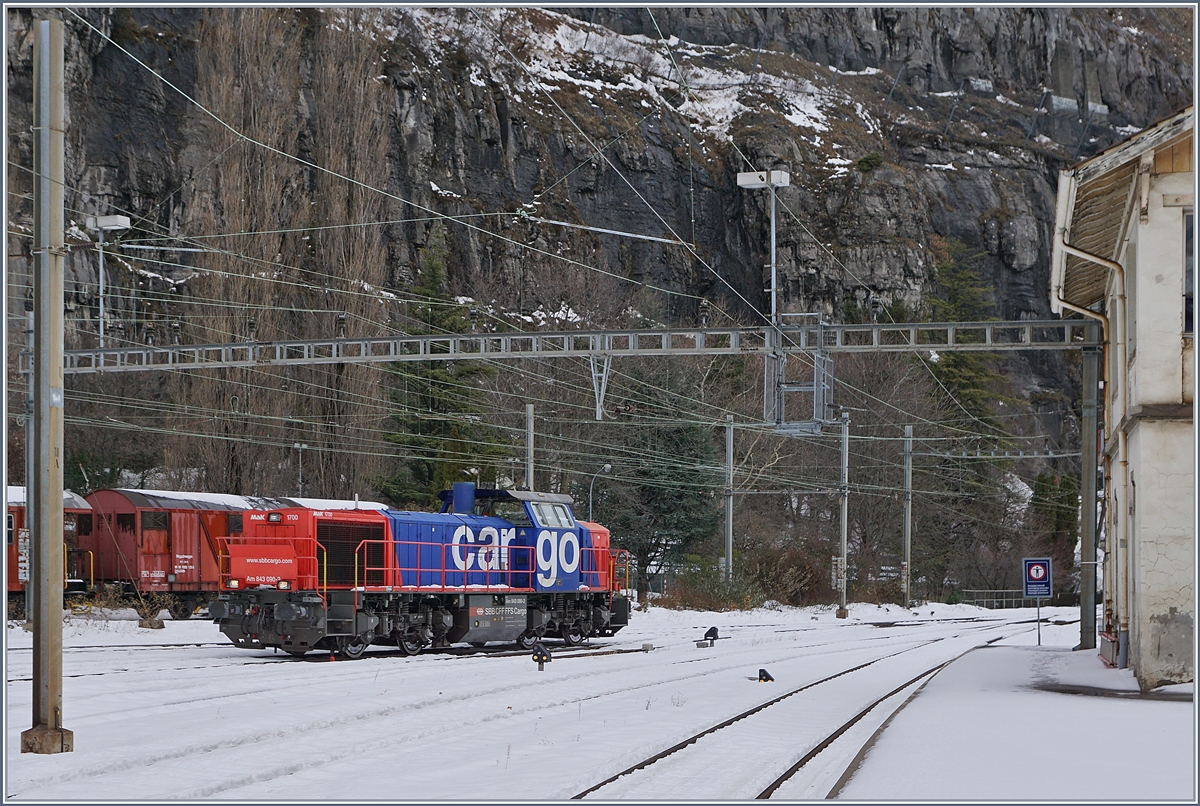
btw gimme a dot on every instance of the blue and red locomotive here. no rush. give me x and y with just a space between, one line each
493 565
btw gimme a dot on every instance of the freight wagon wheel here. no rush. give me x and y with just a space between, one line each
572 636
182 609
353 648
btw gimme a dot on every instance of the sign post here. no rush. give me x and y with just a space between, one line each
1039 584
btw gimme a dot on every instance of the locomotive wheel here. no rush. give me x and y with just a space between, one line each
527 639
408 646
353 648
572 636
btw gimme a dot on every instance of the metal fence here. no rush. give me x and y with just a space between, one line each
997 600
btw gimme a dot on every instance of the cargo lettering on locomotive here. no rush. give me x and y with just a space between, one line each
557 558
492 554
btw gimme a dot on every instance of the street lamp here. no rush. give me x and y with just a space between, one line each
772 180
607 467
100 224
300 447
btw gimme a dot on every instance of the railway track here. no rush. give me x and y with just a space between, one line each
823 743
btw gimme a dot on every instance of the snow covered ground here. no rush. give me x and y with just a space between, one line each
180 713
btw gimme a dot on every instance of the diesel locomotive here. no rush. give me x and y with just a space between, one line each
491 566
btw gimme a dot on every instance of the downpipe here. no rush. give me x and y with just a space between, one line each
1121 538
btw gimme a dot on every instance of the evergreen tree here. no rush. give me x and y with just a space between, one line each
668 506
963 296
438 402
1056 506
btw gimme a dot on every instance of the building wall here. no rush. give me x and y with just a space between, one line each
1158 498
1155 297
1162 561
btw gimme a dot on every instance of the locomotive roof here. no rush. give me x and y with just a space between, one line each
520 495
333 503
174 499
71 500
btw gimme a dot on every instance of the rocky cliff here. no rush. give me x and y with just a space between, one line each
340 151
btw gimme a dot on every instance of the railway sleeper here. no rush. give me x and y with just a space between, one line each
299 621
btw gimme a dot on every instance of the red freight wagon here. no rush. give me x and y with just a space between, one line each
74 506
170 542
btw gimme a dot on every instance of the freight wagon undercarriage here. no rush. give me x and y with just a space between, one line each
347 622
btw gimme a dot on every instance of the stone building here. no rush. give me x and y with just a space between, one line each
1123 253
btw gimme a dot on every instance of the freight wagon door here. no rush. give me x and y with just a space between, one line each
186 544
213 526
154 559
340 540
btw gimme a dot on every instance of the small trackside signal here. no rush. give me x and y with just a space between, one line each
541 656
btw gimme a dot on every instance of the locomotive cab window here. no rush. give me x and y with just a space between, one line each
555 516
511 511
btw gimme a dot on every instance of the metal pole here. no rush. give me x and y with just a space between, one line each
529 445
1087 490
906 564
45 498
842 612
100 273
1039 619
729 497
591 487
300 446
30 328
774 280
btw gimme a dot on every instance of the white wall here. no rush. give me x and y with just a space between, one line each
1156 365
1162 556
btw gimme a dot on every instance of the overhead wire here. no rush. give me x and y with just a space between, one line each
443 216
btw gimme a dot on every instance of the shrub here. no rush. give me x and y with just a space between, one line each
870 162
700 588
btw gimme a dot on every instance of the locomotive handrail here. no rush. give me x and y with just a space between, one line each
512 576
325 567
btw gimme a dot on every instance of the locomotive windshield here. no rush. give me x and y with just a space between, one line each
554 516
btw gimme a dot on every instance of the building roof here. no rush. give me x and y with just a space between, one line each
16 498
1096 199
